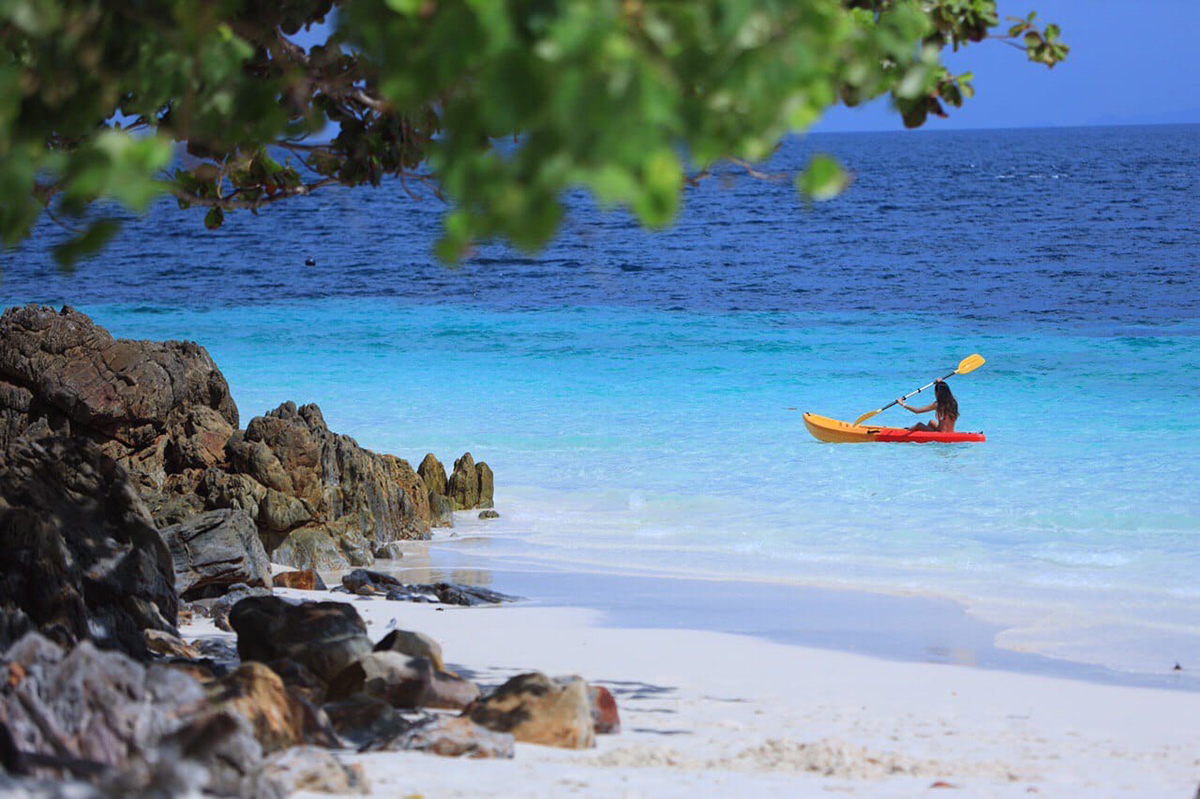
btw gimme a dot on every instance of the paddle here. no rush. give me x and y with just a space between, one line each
968 364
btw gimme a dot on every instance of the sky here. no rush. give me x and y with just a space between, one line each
1132 62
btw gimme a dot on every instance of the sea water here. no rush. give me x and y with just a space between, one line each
639 395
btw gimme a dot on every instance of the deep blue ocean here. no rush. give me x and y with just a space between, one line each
634 391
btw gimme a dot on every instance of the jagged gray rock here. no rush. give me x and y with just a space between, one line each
319 481
130 729
214 551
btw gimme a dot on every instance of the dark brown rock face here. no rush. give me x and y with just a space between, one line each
152 406
82 558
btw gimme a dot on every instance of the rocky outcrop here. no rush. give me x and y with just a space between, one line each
214 551
471 485
541 710
82 558
314 478
433 473
163 411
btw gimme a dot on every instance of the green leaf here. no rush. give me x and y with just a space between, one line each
214 218
89 242
823 180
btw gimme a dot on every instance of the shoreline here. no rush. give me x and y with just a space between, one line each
722 713
911 626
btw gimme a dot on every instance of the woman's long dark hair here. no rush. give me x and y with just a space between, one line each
947 406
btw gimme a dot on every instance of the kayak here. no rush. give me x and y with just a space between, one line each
836 432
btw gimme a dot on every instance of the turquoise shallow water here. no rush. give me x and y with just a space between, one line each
663 441
634 393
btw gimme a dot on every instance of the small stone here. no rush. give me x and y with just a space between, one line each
306 768
413 644
218 649
361 720
452 737
605 718
489 514
303 580
389 551
358 579
168 645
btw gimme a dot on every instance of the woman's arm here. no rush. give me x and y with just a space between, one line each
926 409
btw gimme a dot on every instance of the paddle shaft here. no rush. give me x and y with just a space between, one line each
914 393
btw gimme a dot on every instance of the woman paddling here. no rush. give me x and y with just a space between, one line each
945 405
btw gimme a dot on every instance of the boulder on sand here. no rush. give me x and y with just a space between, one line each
312 770
214 551
541 710
413 644
403 682
82 558
450 737
257 694
361 720
325 637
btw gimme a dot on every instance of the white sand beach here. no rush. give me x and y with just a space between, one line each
707 713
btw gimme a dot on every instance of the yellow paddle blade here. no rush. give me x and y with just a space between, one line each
970 364
864 418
